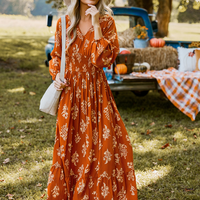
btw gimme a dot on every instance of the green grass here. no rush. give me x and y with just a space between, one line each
27 135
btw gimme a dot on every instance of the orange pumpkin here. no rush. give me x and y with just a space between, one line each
121 68
155 42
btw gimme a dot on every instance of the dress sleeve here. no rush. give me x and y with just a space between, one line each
105 50
54 63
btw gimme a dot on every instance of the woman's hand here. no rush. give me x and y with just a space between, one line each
94 13
95 21
58 84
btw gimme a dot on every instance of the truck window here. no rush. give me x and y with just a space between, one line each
125 22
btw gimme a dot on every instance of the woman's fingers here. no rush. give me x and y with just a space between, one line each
59 85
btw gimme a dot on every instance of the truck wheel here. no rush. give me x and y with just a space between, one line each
46 63
140 93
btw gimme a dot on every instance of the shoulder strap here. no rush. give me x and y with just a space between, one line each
62 70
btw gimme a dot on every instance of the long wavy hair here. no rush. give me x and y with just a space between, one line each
73 11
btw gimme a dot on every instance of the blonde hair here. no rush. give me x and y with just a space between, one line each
73 11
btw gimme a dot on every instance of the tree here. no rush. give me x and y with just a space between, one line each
163 14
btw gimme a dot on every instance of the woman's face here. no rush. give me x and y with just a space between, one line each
91 2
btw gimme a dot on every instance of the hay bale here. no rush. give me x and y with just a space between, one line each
126 38
158 58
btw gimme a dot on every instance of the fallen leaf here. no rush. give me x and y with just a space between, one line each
32 93
160 159
152 123
7 160
8 131
142 133
155 163
22 136
1 180
185 140
133 123
12 128
195 136
10 196
187 168
20 169
165 146
126 119
21 130
42 117
174 139
148 132
20 178
188 189
39 185
168 126
42 196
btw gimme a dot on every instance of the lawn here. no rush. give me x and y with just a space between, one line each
27 135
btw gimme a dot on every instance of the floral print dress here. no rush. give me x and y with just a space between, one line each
92 157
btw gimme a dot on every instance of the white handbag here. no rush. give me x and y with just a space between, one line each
50 100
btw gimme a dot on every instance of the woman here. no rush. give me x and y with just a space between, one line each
92 156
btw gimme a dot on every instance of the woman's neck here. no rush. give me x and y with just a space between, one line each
83 8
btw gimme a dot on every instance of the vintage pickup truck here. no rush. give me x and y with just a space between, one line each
125 18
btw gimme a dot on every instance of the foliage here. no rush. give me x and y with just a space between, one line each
188 12
58 4
140 31
194 45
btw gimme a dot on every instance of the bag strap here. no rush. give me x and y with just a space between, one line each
62 70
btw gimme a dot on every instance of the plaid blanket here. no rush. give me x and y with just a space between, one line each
181 88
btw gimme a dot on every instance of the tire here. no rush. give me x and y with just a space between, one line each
140 93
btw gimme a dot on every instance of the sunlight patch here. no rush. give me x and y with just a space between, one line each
144 178
14 90
31 120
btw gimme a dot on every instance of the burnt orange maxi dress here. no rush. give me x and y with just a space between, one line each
93 156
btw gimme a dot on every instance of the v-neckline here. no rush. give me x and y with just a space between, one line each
86 32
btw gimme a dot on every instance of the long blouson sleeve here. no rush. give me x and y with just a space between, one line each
54 64
105 49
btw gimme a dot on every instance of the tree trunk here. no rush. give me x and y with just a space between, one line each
163 17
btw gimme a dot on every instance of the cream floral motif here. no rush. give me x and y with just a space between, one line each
64 132
103 175
91 89
85 146
104 190
114 142
122 194
106 112
107 156
100 49
77 138
110 107
97 167
74 111
57 38
95 136
119 175
78 94
123 150
60 150
114 187
106 61
84 107
84 84
91 183
99 116
61 175
70 147
51 178
67 163
81 187
86 44
87 169
106 132
93 57
91 157
80 36
128 140
117 158
100 98
133 190
100 144
130 165
84 124
130 175
84 68
95 193
64 111
75 159
55 191
80 171
57 165
118 130
76 53
94 119
86 197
